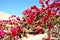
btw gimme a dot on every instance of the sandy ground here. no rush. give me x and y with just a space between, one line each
36 37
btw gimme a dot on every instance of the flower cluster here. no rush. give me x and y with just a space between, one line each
42 16
35 20
11 27
44 19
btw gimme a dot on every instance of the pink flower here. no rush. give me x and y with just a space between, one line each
39 23
47 1
49 12
19 30
2 33
37 9
58 8
26 12
54 12
57 3
41 2
32 14
58 12
5 20
48 37
51 26
29 20
47 8
45 19
18 18
33 7
32 18
1 21
43 10
10 23
0 25
52 18
38 13
51 6
13 32
39 30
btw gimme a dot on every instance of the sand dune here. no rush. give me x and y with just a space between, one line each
4 15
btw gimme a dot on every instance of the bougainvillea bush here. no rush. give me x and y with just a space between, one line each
43 20
35 21
11 27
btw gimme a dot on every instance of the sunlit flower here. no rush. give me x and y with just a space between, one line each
26 12
1 26
39 23
51 26
18 18
13 32
1 21
39 30
45 19
47 1
2 33
33 7
29 20
41 2
48 37
32 14
49 12
10 23
5 20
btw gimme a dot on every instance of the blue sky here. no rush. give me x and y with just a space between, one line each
16 7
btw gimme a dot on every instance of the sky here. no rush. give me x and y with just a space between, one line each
16 7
